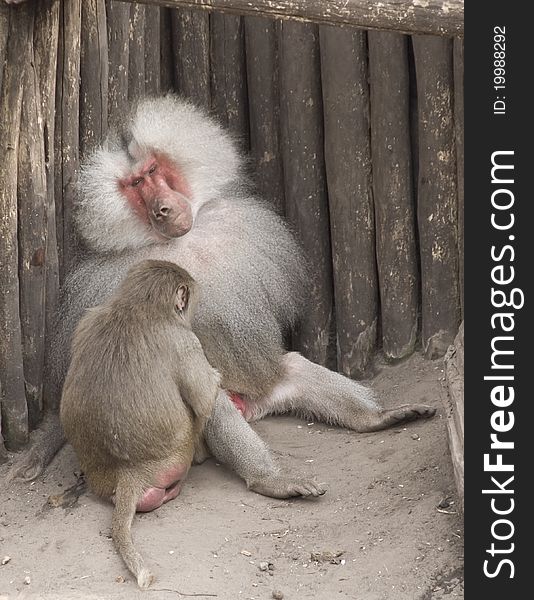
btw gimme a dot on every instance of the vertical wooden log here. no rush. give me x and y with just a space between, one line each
348 171
67 129
414 120
4 30
229 75
13 400
32 236
191 44
166 51
437 197
3 451
152 50
45 49
118 26
218 71
136 63
393 192
4 34
459 136
304 178
454 406
93 76
261 38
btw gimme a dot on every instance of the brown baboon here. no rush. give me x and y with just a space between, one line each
137 396
171 186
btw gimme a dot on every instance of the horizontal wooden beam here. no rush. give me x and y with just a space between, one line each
436 17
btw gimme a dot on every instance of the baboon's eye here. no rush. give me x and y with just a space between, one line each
137 181
152 168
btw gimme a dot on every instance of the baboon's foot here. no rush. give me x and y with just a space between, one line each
282 486
397 416
45 443
28 466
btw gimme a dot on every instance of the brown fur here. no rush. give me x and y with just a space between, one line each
138 391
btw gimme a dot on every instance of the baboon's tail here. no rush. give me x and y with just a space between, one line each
126 496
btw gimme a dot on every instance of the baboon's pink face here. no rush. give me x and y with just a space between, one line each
159 195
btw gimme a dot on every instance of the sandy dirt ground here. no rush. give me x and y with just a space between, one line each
388 527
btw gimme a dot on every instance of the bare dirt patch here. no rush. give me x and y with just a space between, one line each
388 527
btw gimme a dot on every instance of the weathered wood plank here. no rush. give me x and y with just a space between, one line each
454 371
229 75
191 45
4 30
118 28
94 70
13 400
304 179
217 68
152 50
32 239
414 116
261 37
167 60
3 451
136 62
437 194
437 17
46 50
345 76
393 192
67 155
459 136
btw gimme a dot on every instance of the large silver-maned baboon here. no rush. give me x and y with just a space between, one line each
170 186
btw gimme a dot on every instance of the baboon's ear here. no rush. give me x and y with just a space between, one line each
182 298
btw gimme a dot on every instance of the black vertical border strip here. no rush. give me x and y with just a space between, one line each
486 133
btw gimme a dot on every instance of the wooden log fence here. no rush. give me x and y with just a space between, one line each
94 69
118 18
46 38
305 179
459 138
356 138
436 17
32 239
228 75
136 53
191 53
14 408
393 192
437 194
67 129
152 36
262 54
350 198
166 56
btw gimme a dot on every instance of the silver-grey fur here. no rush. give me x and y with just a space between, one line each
253 279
